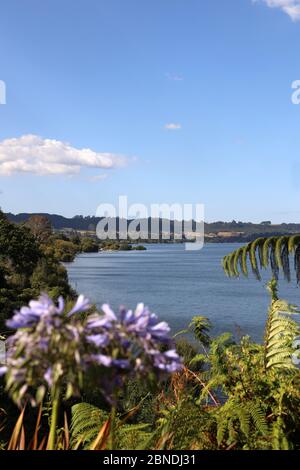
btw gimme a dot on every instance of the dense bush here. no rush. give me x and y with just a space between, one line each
28 265
88 245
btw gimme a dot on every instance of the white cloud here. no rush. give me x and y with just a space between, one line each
173 127
33 154
290 7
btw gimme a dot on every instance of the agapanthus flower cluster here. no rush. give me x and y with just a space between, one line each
45 352
134 343
54 350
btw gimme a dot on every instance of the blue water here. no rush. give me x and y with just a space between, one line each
178 284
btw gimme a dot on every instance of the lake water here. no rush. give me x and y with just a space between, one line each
178 284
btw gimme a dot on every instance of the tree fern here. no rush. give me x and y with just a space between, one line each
273 252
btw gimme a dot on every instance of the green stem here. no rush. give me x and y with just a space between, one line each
112 428
272 287
54 417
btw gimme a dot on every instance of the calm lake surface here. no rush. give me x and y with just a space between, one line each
178 284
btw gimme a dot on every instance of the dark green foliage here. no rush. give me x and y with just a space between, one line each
18 250
187 426
64 250
137 395
27 266
88 245
115 245
139 248
52 277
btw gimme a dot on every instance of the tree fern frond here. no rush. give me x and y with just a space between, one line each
236 260
282 256
243 260
266 249
271 251
252 256
225 266
293 242
297 263
278 248
230 265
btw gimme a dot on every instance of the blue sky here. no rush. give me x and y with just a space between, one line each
183 101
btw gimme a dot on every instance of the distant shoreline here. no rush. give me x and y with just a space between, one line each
215 232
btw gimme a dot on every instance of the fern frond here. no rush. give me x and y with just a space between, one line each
258 418
239 420
200 326
272 251
243 260
86 423
252 256
244 418
280 334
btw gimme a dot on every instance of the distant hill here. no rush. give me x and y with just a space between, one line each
214 232
59 222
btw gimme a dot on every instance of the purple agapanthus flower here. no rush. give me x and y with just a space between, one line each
27 317
53 349
82 304
98 340
101 359
131 344
46 350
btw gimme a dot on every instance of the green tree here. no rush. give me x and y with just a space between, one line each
65 250
27 268
88 245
